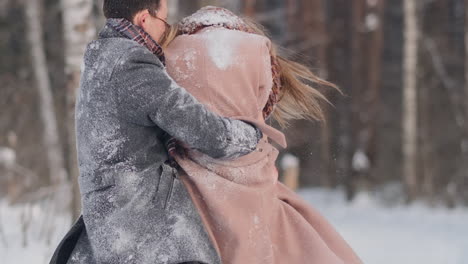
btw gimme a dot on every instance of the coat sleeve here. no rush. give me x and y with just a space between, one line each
148 96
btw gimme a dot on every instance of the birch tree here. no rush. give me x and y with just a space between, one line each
410 102
78 32
55 161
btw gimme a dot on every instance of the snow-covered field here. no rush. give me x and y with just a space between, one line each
42 234
403 235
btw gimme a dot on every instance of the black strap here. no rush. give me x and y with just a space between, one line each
68 243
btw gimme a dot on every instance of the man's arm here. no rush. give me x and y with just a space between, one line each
148 96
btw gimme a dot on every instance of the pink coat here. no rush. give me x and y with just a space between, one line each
250 216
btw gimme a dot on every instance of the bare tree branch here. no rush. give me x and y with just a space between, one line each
448 83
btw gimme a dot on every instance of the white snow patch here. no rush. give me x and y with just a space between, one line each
95 45
289 161
124 241
256 220
360 161
39 240
181 226
221 45
372 22
464 145
7 156
189 59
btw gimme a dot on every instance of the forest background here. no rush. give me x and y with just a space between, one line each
400 129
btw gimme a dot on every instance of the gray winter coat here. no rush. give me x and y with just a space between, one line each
135 210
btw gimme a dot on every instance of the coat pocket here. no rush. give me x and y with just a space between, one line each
165 188
99 181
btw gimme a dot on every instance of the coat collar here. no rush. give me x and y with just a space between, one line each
122 28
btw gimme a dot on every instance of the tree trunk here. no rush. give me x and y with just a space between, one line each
427 158
367 50
174 14
410 102
78 32
233 5
339 54
58 174
464 144
249 7
370 103
99 19
188 7
360 163
314 21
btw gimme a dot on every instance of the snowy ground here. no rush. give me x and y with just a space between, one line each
404 235
412 235
42 233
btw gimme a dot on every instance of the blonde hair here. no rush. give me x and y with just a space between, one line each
298 98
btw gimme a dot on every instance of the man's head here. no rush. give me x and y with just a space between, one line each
148 14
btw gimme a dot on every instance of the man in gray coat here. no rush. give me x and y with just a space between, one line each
135 210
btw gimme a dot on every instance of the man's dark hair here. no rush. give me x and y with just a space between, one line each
128 8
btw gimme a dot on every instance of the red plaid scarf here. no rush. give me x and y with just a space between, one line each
136 33
229 20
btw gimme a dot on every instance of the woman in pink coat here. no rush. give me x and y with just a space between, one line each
228 64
